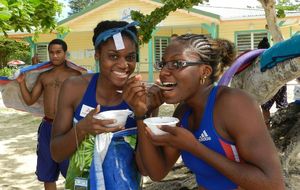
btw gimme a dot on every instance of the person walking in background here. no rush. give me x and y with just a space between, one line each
280 98
263 44
221 136
48 84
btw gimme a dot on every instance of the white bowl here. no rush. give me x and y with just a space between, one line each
119 115
154 122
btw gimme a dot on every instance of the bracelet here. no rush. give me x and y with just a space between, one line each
75 131
137 118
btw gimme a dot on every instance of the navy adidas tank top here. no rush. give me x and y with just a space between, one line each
207 176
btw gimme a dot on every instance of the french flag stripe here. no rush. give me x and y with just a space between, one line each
230 151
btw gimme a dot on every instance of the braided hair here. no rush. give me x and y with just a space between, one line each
218 53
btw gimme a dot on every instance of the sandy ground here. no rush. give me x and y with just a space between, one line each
18 139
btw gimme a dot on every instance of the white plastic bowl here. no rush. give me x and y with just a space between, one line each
154 122
119 115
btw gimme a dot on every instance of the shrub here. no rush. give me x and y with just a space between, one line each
7 72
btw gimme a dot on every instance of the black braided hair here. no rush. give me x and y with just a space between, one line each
217 53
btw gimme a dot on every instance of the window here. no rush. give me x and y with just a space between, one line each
160 43
249 40
42 52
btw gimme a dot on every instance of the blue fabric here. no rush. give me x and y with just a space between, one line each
3 78
102 37
47 169
207 176
119 167
32 67
280 52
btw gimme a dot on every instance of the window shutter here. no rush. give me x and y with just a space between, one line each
243 42
249 41
42 52
258 37
160 45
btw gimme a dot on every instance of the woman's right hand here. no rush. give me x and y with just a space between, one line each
154 98
135 94
91 125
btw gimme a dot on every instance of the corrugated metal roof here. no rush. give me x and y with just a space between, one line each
233 13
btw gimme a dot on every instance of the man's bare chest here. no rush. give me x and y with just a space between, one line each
54 82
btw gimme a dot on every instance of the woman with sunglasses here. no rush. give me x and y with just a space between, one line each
221 137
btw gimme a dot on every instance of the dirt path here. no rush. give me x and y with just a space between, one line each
18 139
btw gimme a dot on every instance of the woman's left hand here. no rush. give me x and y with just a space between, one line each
177 137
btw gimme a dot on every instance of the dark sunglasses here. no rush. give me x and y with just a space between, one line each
174 65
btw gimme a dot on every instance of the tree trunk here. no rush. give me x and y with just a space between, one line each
264 85
270 14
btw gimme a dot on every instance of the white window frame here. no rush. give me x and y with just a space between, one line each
160 43
41 49
249 40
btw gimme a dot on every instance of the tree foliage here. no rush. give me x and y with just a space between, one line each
285 5
11 49
77 5
147 23
28 15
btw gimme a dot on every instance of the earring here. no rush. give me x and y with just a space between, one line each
202 80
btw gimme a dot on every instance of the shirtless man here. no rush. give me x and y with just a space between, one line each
48 83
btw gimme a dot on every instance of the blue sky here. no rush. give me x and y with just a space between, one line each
66 9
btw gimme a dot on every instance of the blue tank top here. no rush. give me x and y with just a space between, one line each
207 176
89 102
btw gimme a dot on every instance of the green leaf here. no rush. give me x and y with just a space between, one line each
21 15
3 3
5 15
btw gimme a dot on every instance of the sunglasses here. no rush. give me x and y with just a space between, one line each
174 65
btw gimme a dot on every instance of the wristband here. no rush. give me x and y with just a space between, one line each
137 118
